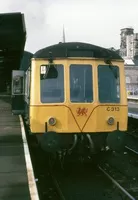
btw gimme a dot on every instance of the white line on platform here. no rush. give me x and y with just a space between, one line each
133 115
129 103
30 173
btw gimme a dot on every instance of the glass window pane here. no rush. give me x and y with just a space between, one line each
52 89
81 89
108 84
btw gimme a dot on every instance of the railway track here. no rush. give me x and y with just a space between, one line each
79 185
133 133
79 182
131 143
128 187
55 182
84 183
132 150
75 182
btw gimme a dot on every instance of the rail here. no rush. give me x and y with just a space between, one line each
115 182
131 150
55 182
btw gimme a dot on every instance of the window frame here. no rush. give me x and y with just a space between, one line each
107 102
92 82
64 98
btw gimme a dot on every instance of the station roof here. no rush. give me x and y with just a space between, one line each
131 62
12 42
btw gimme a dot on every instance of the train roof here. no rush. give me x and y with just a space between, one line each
26 60
76 49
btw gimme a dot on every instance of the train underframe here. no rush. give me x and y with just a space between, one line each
74 145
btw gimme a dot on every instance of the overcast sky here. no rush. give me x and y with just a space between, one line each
94 21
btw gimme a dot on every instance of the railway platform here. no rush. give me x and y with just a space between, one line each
133 110
17 180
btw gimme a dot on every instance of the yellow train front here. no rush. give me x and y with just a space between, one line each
77 96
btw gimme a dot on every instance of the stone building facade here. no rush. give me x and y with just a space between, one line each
131 73
129 52
128 43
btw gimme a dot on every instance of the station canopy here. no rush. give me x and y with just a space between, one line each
12 43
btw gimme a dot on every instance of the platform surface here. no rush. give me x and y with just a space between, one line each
13 172
133 108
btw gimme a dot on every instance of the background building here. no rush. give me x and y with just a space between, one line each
129 52
129 43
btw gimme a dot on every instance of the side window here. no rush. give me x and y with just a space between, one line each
28 89
108 84
52 89
26 83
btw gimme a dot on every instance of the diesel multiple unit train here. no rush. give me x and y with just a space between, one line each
73 96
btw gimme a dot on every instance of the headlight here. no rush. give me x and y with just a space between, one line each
52 121
110 121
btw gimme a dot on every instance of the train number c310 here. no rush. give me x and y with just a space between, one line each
111 108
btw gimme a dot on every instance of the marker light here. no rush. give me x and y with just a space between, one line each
52 121
110 121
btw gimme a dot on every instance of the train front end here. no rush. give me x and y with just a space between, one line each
80 106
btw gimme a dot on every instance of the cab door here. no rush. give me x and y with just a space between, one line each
17 92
